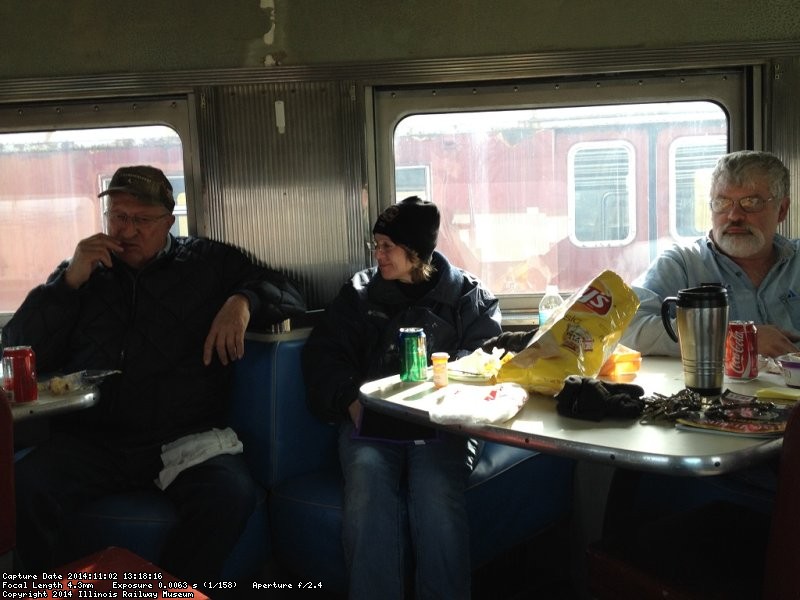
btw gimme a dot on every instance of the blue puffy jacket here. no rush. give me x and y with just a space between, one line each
356 340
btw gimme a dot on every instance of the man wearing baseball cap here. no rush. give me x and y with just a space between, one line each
168 314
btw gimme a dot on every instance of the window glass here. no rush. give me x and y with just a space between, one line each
412 181
602 193
692 161
536 196
49 182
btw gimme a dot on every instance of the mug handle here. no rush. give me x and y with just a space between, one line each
666 318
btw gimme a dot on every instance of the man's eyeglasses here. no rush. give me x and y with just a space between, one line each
384 247
749 204
138 221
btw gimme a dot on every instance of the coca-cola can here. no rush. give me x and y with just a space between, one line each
23 383
741 350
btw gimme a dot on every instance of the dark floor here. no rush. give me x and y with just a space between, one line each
538 570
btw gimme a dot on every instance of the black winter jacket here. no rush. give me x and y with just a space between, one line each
356 340
151 325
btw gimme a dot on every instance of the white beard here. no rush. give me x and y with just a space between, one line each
741 245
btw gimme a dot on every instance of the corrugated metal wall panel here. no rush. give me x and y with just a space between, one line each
293 199
785 131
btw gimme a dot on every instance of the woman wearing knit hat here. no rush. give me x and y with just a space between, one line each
401 479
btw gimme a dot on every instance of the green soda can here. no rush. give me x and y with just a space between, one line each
413 356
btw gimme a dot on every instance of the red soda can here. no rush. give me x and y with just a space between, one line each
741 350
23 374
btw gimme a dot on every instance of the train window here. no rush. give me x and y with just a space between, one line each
691 161
558 194
543 183
49 182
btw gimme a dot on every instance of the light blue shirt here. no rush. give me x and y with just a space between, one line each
776 301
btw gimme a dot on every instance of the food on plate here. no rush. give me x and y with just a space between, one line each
58 385
62 384
479 364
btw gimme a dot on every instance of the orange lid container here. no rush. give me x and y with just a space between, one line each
622 365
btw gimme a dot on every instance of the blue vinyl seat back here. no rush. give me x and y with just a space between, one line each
270 400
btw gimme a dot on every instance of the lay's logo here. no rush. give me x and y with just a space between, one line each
595 301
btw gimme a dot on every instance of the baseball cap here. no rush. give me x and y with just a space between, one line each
149 184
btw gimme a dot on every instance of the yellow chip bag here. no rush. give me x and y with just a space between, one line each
577 339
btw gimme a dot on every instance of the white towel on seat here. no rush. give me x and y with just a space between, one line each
193 449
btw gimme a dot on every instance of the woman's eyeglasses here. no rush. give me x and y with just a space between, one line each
384 247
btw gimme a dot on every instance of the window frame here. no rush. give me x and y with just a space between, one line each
731 88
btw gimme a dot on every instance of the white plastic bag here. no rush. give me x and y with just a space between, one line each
478 405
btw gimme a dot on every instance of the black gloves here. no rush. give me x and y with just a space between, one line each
510 341
592 399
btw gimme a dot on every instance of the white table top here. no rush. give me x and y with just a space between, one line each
621 442
48 404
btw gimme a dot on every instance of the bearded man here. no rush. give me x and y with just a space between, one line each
760 268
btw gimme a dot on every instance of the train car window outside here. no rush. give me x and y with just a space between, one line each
413 181
692 160
535 196
601 193
49 182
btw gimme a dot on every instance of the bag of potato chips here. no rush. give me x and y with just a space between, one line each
577 339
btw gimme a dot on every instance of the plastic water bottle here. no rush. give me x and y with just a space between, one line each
549 302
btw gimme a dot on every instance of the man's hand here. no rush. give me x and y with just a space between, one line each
89 254
774 341
227 331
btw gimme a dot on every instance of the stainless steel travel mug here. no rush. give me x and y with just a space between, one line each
702 318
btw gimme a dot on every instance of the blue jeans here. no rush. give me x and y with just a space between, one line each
213 501
399 496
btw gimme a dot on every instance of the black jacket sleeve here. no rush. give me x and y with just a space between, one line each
272 296
45 320
333 367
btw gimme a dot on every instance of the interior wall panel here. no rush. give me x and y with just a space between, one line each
784 131
287 189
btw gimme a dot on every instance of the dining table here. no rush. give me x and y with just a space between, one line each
49 404
658 446
31 420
